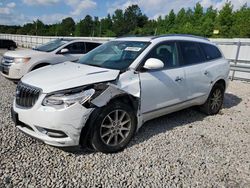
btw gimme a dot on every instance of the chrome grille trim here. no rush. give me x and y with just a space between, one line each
7 61
26 96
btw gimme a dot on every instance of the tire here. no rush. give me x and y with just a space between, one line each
215 100
113 128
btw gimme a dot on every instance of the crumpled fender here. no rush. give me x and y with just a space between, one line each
128 83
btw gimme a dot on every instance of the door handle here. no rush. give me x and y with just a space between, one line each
178 79
206 73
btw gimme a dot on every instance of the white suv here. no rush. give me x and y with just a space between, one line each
15 64
102 100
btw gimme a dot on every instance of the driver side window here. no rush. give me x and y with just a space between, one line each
76 48
166 52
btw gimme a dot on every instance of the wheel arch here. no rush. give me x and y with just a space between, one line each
39 65
221 82
132 101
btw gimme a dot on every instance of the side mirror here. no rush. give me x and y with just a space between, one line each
153 64
64 51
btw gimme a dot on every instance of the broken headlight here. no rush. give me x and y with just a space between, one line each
68 98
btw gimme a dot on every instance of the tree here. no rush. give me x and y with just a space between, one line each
106 26
119 24
181 21
197 21
96 27
150 28
241 23
67 27
85 27
170 22
39 27
27 29
208 24
134 18
225 20
160 25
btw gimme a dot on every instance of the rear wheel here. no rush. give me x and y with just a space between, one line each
215 100
114 128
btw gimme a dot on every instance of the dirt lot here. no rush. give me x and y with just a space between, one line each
183 149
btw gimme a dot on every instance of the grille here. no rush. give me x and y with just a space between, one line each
26 96
7 61
5 64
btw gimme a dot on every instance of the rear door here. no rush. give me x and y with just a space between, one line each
198 78
164 87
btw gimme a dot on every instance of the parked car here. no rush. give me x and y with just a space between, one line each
15 64
8 44
102 100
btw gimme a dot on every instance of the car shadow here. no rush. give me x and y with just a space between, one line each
176 119
165 123
77 150
231 100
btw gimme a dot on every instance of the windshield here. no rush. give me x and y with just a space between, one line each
50 46
114 55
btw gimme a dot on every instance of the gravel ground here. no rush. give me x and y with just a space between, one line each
183 149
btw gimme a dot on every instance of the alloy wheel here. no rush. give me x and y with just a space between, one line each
115 127
216 100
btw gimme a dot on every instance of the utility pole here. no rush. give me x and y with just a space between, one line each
100 29
36 27
155 31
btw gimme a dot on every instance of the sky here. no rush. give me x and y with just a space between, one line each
19 12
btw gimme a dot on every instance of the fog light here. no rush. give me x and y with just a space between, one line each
52 133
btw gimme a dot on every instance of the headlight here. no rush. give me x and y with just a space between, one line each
62 100
21 60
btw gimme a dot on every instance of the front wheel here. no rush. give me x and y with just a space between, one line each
215 100
113 128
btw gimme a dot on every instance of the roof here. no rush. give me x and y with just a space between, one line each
79 40
168 36
142 39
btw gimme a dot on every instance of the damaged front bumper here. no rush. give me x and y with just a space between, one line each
63 126
54 127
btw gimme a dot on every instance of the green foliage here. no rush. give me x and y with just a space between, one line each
85 27
241 24
66 28
225 20
132 21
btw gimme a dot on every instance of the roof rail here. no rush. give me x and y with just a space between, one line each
181 35
126 36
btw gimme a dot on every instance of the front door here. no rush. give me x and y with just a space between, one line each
76 50
165 87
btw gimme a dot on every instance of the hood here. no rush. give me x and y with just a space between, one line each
68 75
23 53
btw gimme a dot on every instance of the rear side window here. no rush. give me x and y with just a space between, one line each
191 53
211 52
90 46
